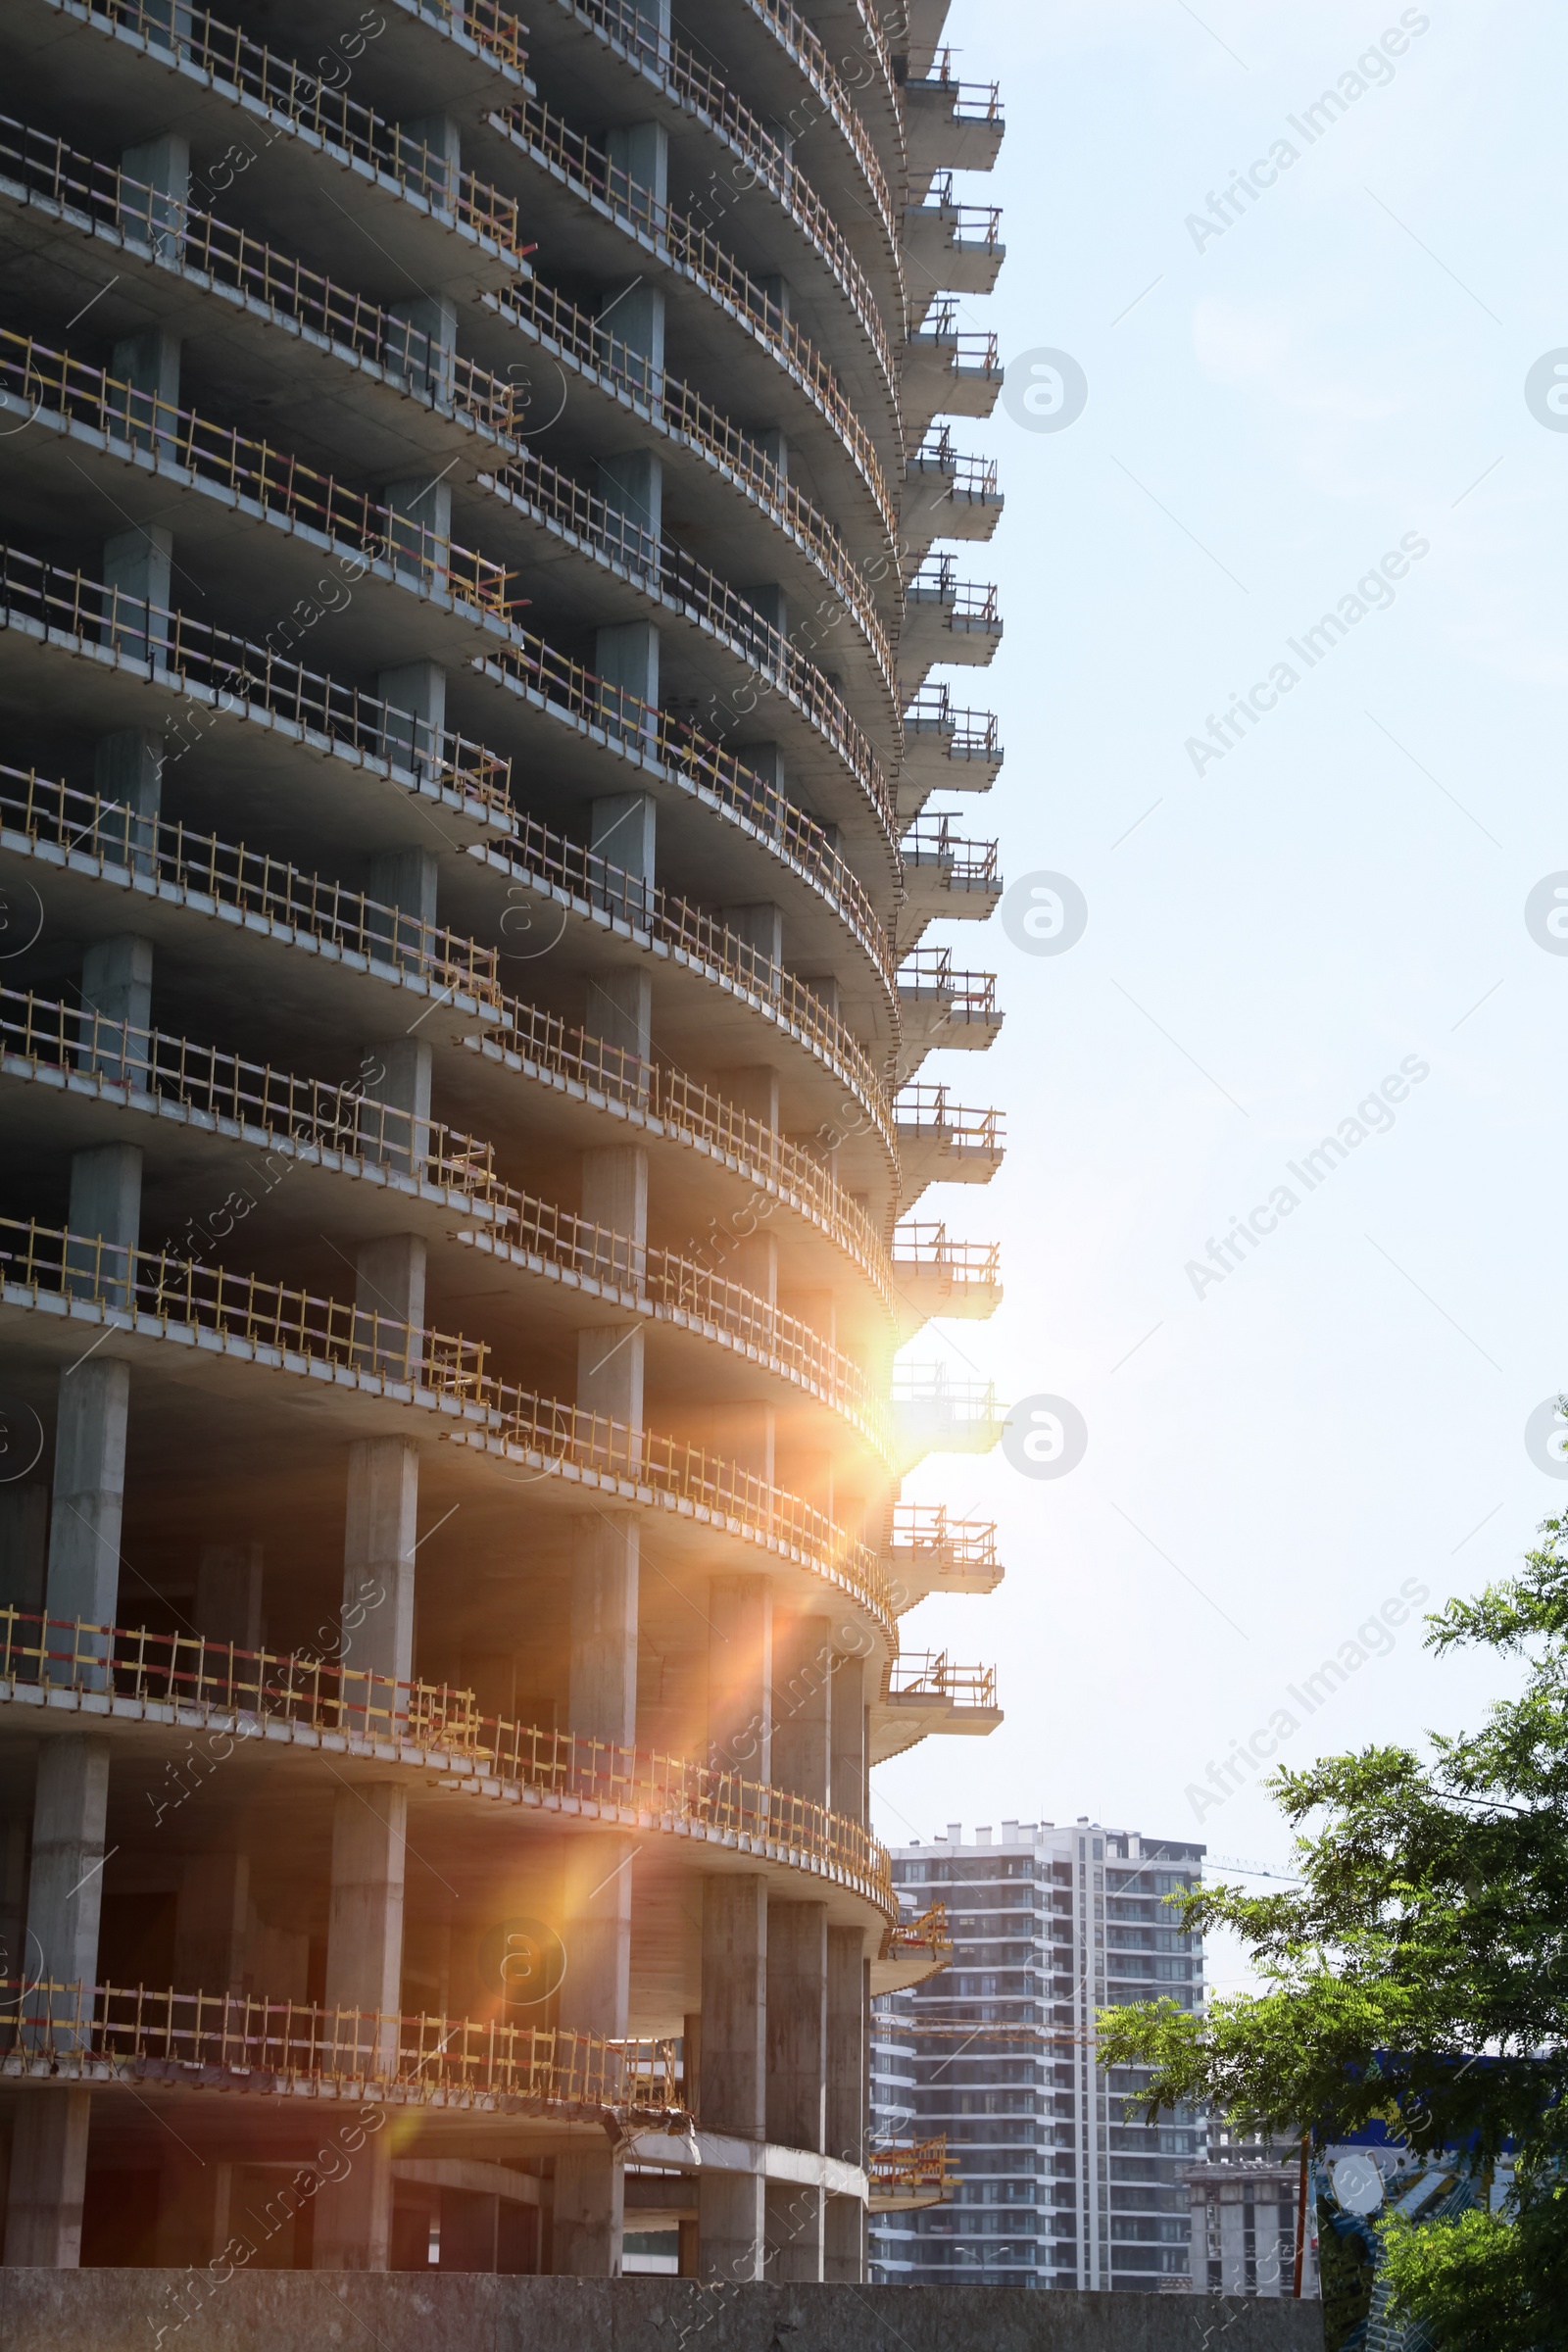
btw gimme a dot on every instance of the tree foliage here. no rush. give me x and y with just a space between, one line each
1419 1974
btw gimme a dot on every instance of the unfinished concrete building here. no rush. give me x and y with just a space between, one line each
467 607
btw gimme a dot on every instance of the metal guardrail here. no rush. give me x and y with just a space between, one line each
968 1404
46 811
310 1115
924 1247
261 2044
972 100
165 1293
245 1691
967 1544
931 840
971 734
971 477
485 25
927 1111
284 89
976 228
967 996
927 1934
938 581
969 354
932 1674
912 2168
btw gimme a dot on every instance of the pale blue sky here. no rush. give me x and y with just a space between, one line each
1343 889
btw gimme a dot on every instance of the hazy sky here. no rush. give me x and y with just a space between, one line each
1335 377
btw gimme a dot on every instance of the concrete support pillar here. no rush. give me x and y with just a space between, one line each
24 1554
650 38
416 698
847 1787
615 1195
403 893
639 171
760 927
193 2208
397 1080
147 367
630 338
622 830
421 529
803 1701
65 1888
620 1014
104 1218
152 209
430 153
740 1675
632 487
117 985
733 2087
770 441
228 1594
796 2062
138 568
746 1435
777 301
48 2181
363 1974
771 608
128 774
89 1493
421 339
626 659
210 1923
389 1305
379 1543
849 1998
755 1091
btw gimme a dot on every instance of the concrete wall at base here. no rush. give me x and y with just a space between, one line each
282 2310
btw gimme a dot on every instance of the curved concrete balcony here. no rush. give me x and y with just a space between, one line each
610 221
946 619
947 495
852 31
737 659
933 1552
945 879
926 1694
942 1008
146 1685
657 410
937 1276
947 371
953 247
944 749
216 1110
942 1143
422 214
202 1329
356 948
911 2175
112 2036
934 1413
913 1951
952 125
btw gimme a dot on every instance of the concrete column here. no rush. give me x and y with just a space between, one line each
849 1993
615 1194
210 1923
194 2198
639 155
761 928
147 365
23 1551
421 529
228 1594
104 1217
389 1285
740 1675
770 605
622 830
117 984
397 1078
753 1090
139 569
89 1492
746 1435
403 885
626 659
630 338
632 487
363 1974
733 2083
620 1013
777 299
802 1700
379 1543
652 36
429 151
152 213
847 1787
421 338
128 772
64 1887
796 2062
48 2180
416 697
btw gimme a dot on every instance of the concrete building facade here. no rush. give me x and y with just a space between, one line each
1058 2188
467 624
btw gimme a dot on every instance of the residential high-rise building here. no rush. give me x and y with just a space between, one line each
471 656
1057 2185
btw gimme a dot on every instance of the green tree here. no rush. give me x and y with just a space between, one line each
1419 1974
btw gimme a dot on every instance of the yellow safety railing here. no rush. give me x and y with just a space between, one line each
244 1690
912 2168
261 2044
923 1112
291 92
158 1290
312 1116
927 1934
970 734
969 1545
927 1247
932 1674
